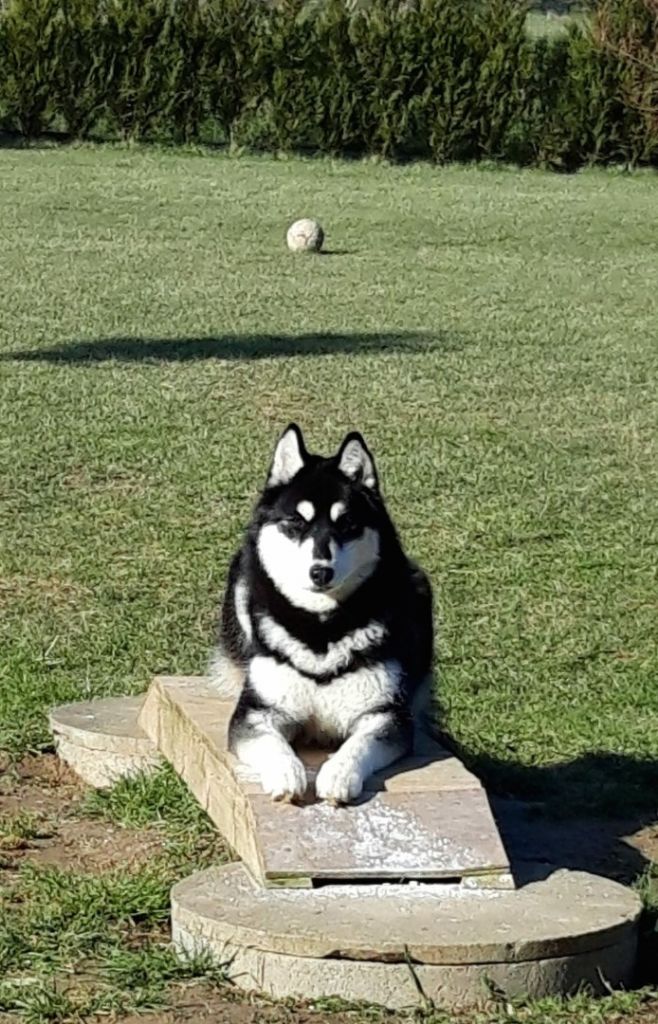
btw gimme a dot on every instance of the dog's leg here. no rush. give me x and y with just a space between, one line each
257 740
377 739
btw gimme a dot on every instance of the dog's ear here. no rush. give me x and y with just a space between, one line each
356 462
289 457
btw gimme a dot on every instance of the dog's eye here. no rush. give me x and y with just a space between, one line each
345 524
294 523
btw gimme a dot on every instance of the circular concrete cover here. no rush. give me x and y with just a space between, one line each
569 912
101 740
388 943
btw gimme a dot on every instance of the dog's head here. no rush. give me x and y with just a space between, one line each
319 524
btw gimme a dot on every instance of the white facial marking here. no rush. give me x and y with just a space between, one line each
336 511
306 510
288 563
328 712
338 654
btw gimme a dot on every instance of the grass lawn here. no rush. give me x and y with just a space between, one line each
492 333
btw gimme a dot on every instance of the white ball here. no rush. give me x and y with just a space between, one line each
305 235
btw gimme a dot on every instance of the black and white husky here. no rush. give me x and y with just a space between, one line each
326 625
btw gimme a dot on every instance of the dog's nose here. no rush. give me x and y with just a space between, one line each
321 575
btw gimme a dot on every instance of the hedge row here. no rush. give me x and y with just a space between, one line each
439 79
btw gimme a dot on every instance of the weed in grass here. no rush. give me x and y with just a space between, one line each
647 887
54 917
58 924
149 968
49 1001
18 830
155 798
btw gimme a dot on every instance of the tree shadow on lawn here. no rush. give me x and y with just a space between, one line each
237 347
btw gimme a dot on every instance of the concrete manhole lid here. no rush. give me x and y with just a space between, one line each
110 724
567 913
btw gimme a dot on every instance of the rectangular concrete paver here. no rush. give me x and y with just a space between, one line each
425 818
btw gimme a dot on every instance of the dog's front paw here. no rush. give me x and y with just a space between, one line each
339 781
285 779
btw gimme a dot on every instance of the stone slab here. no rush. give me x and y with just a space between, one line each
396 986
426 817
101 740
357 941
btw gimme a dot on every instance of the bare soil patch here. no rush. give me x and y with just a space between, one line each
44 787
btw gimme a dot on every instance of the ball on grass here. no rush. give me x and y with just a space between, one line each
305 235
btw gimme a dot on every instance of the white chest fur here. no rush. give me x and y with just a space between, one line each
326 711
337 656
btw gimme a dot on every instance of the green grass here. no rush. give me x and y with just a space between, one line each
491 332
493 335
18 829
77 944
159 798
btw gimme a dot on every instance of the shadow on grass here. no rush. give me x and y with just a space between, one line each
600 782
10 139
236 347
582 815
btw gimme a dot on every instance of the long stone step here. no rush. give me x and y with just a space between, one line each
425 818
